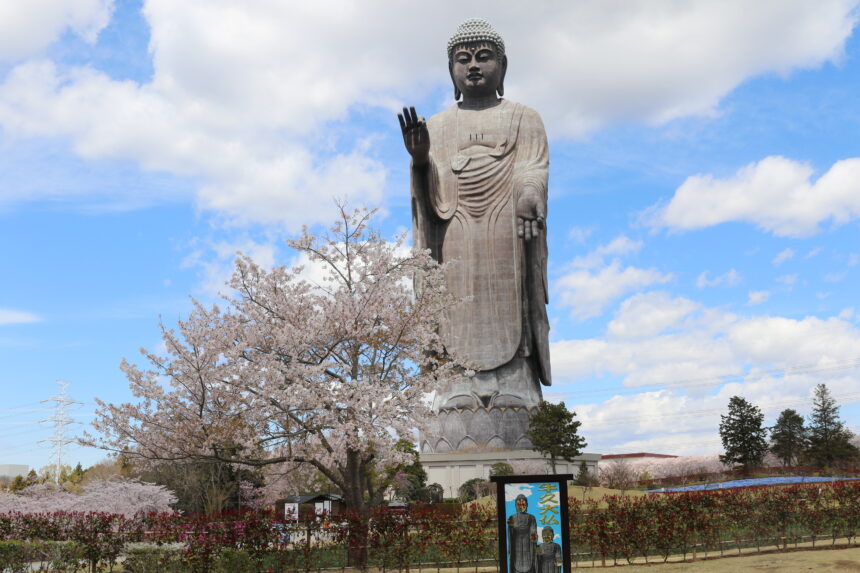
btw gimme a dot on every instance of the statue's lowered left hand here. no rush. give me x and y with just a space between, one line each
531 213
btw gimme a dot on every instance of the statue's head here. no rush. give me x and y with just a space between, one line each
547 534
477 60
521 503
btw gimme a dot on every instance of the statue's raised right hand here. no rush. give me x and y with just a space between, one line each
416 137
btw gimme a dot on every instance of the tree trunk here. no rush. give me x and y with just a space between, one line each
356 551
355 504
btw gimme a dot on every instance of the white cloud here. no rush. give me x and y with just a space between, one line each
657 339
776 194
588 291
812 253
249 172
215 262
757 297
247 99
661 412
9 316
785 255
619 246
783 341
591 284
28 27
652 339
730 278
649 314
787 280
674 59
674 422
697 358
579 234
512 490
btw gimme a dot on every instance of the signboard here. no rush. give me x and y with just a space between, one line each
322 507
291 511
534 535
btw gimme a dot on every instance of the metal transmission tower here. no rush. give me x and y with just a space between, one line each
60 420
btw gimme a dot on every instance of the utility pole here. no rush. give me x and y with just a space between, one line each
60 420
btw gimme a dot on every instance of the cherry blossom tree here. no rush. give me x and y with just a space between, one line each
118 495
322 377
676 467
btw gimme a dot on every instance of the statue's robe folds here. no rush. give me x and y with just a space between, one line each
464 210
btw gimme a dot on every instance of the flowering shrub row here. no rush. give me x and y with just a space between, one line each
652 527
686 523
387 539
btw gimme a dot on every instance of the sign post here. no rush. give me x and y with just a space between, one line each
534 531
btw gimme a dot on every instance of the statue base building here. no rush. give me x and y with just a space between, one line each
453 469
477 430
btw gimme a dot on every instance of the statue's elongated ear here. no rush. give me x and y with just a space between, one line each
457 92
501 89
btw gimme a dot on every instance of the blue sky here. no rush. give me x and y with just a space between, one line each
704 195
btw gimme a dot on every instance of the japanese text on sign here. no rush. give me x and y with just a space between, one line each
548 504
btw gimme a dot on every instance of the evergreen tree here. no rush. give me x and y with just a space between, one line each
501 469
553 432
410 480
742 434
77 474
473 489
829 439
584 477
788 438
18 483
435 493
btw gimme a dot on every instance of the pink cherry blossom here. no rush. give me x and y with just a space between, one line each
295 376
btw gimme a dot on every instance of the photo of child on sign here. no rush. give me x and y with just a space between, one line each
533 518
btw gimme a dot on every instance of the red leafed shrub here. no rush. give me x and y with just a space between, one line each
619 528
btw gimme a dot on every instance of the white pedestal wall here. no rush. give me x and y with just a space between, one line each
453 469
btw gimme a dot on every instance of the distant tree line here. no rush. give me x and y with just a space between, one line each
822 440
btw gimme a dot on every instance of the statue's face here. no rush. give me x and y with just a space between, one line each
547 536
522 505
477 69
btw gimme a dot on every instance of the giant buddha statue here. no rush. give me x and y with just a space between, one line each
479 200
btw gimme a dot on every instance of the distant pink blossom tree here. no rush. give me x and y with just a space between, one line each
295 375
119 495
681 466
252 496
529 467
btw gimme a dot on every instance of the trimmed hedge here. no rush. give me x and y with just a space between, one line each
61 556
652 527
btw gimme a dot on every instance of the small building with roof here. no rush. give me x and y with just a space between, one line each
308 505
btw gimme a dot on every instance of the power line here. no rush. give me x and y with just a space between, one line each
18 407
